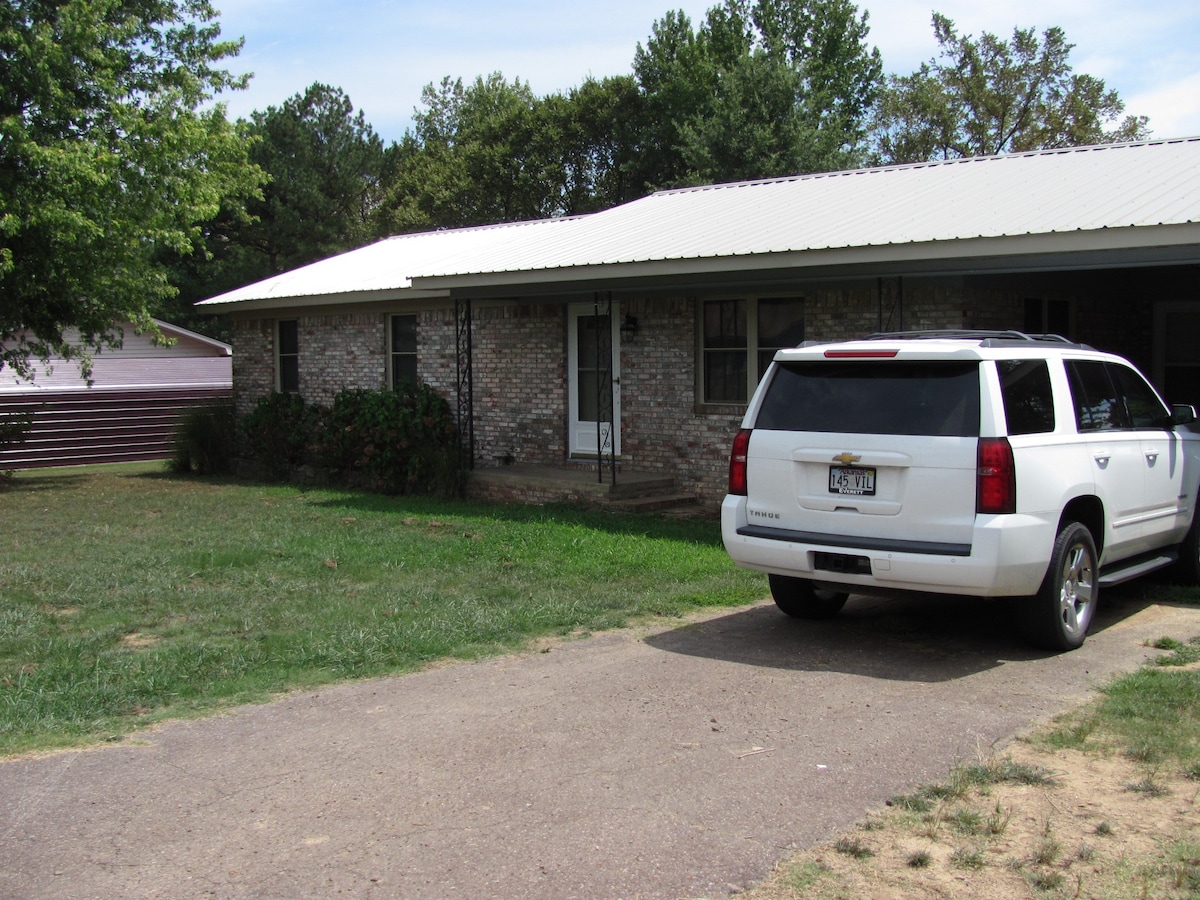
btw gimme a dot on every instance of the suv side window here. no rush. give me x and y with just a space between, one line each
1028 398
1109 396
1142 405
1097 406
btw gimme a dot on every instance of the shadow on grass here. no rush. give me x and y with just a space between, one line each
25 482
925 639
699 530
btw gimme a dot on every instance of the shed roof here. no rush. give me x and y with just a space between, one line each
1135 203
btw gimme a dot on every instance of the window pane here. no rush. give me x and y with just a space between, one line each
1142 405
1028 400
404 334
725 324
725 376
1096 404
288 356
586 337
289 337
404 370
289 374
780 323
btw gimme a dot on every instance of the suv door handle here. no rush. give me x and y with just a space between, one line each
1152 456
1102 460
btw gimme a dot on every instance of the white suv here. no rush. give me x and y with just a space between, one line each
985 464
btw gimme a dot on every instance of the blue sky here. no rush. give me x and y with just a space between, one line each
382 52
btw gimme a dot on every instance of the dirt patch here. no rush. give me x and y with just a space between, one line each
1103 827
138 641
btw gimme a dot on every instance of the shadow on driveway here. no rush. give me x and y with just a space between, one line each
927 639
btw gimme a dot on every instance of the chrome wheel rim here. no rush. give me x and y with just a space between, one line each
1076 590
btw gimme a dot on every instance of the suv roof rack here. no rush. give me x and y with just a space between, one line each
986 337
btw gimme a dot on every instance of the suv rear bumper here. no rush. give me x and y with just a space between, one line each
1006 556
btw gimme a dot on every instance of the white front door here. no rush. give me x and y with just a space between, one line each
591 342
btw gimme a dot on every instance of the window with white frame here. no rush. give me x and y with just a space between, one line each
738 339
287 356
403 350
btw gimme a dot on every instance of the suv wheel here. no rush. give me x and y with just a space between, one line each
1058 616
801 599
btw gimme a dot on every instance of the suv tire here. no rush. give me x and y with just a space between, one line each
1058 616
801 599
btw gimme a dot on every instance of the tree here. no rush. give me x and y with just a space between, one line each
324 163
774 87
325 168
979 98
480 153
110 152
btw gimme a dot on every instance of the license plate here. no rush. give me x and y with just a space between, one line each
858 481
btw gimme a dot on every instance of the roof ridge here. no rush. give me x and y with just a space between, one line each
492 226
929 163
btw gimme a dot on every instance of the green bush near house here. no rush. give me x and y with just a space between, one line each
276 434
392 442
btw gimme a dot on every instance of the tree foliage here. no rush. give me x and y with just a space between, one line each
773 87
324 163
110 150
987 96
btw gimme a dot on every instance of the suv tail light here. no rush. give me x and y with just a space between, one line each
996 478
737 463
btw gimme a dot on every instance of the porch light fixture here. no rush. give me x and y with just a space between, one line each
629 326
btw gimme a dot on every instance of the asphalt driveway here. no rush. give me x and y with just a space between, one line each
677 761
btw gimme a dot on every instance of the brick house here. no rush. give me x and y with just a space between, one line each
626 343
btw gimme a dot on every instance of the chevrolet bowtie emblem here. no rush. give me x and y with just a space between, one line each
846 458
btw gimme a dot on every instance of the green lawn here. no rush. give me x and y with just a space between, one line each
128 594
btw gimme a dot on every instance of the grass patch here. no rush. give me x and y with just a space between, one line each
1151 716
853 848
128 594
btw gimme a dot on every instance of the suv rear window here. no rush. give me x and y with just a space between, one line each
938 398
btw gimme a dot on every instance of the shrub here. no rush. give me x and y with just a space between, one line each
205 441
401 441
276 434
13 429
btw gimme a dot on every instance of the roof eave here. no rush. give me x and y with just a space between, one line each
1107 247
345 298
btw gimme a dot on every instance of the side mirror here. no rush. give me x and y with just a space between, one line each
1183 413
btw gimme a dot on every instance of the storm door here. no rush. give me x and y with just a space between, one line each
593 366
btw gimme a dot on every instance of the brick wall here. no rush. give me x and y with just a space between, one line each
253 342
341 352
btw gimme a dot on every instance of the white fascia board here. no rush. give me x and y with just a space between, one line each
274 304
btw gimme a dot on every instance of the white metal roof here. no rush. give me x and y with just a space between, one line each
391 264
1098 196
